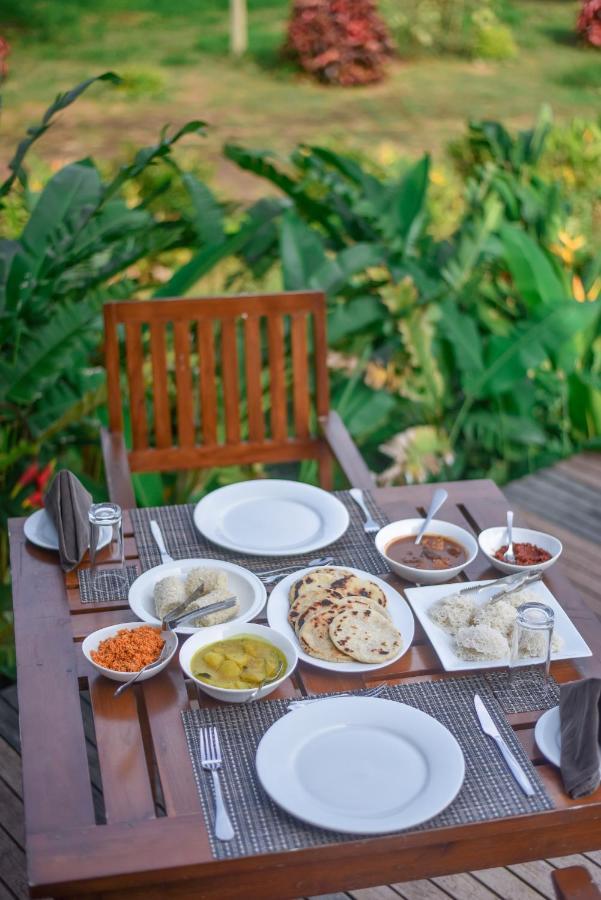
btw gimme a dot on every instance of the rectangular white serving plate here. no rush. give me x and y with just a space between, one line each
422 598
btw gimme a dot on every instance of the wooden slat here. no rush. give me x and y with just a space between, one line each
111 357
253 368
85 623
208 393
154 460
277 378
300 374
225 307
125 780
160 390
135 380
320 352
183 380
229 378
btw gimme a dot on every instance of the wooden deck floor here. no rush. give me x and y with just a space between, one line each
566 500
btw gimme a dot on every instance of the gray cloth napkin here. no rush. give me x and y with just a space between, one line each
67 502
580 735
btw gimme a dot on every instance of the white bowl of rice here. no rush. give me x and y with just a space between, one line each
409 527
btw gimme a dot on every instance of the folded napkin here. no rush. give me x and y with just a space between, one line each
67 502
580 735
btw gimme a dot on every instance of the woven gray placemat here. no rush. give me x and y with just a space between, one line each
355 547
112 583
488 791
527 690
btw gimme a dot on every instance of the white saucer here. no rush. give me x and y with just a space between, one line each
40 530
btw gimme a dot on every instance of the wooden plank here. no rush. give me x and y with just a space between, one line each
506 884
538 875
13 866
420 890
160 389
10 767
165 697
300 374
211 308
320 353
154 460
183 381
125 780
253 369
85 623
464 886
208 393
111 361
277 378
229 378
135 380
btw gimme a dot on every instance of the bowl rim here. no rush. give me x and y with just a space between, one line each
130 626
286 674
454 569
533 531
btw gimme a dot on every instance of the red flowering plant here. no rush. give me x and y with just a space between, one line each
4 51
341 42
589 22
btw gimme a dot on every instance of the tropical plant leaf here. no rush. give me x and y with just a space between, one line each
534 276
302 253
208 215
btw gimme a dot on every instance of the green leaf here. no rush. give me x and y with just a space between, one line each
463 337
354 317
208 215
302 252
534 276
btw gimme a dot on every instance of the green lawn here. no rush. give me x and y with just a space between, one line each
176 65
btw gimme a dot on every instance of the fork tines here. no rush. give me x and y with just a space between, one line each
210 752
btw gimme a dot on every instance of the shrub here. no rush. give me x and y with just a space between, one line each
341 42
589 22
491 39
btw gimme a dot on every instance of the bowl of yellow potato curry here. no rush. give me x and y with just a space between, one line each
238 662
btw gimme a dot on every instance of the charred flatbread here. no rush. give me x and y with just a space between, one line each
365 635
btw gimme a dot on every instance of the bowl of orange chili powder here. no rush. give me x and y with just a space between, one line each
118 651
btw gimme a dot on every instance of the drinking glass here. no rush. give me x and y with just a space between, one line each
533 629
106 583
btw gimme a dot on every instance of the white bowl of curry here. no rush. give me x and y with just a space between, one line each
445 550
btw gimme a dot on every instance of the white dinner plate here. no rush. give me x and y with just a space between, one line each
422 598
547 734
360 765
277 615
270 517
41 530
249 590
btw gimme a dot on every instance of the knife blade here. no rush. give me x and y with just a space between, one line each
158 537
489 728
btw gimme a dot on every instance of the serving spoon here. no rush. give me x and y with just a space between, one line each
438 498
509 555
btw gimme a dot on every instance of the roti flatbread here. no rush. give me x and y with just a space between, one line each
329 601
340 580
365 634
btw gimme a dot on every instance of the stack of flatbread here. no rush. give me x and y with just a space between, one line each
340 617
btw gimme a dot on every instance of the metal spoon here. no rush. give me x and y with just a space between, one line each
438 498
509 555
267 680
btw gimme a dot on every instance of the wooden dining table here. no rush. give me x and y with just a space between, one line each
145 836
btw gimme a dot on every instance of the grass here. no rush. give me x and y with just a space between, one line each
175 60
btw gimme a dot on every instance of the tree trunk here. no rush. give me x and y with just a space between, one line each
238 27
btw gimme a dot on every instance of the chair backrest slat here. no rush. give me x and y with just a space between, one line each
160 385
208 388
300 374
277 378
218 381
254 392
135 378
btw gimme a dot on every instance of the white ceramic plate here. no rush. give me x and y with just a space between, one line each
360 765
248 588
277 616
547 735
271 517
40 530
421 599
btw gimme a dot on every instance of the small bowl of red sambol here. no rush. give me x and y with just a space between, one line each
533 550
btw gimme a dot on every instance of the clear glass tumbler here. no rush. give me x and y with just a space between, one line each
107 583
531 643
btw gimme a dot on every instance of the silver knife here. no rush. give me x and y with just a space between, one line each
489 728
158 537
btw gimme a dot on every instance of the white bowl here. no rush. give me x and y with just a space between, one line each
407 527
491 539
92 641
230 630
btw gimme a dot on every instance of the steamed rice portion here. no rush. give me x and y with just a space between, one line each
174 590
486 632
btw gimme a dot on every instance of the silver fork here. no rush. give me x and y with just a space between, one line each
372 692
210 759
370 525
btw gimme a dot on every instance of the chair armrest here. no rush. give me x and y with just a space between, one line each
344 449
575 883
116 465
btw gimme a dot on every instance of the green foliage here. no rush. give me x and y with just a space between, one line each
473 344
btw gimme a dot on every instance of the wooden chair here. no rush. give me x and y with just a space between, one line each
197 372
575 883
